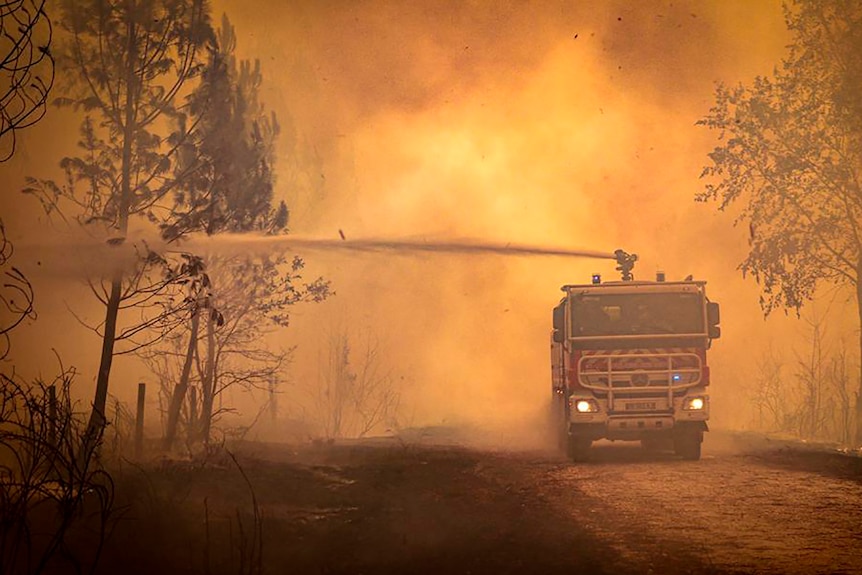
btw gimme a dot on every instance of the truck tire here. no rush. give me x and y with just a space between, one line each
578 448
687 445
562 439
560 417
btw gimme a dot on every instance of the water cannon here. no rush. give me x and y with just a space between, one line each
625 263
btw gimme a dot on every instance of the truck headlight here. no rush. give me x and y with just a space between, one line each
694 404
584 405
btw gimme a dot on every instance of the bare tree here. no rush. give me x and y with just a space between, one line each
770 393
26 78
840 383
816 401
811 378
355 394
244 300
26 68
16 295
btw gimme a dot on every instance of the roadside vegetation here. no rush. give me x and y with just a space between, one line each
787 167
807 392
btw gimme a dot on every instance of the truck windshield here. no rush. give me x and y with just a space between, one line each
637 314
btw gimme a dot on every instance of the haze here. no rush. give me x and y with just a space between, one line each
558 124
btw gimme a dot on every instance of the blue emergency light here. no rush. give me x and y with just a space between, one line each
597 278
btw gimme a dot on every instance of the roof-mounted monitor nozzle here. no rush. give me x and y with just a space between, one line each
625 263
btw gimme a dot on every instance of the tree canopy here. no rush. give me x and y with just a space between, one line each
233 149
790 154
128 63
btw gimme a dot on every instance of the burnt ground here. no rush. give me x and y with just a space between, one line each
749 506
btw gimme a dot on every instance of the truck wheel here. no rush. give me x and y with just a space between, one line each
562 439
688 445
560 424
578 448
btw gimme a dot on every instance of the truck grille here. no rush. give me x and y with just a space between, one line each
639 371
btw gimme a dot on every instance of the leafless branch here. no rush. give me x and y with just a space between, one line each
26 68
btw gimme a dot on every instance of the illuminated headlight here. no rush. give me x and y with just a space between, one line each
584 405
694 404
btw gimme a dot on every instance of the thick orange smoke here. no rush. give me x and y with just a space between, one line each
542 123
559 124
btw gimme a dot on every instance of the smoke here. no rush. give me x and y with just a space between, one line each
78 254
549 129
520 124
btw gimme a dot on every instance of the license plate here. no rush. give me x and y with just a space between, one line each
640 405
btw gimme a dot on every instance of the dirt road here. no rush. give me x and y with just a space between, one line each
777 510
420 508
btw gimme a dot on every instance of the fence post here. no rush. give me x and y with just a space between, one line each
273 400
139 420
193 414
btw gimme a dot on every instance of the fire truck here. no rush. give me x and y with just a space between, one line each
628 362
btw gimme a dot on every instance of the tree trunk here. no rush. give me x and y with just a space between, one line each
182 386
208 383
858 435
96 424
193 415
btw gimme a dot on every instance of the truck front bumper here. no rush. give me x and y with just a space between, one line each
632 424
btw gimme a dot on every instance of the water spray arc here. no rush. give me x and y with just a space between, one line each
405 246
106 255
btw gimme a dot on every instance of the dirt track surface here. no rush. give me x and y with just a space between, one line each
391 507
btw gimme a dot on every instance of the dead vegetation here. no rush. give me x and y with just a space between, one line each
809 394
356 392
56 497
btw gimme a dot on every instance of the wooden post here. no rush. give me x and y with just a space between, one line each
193 414
273 400
139 420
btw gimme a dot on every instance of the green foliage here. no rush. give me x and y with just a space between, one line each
789 157
128 63
232 189
272 285
172 132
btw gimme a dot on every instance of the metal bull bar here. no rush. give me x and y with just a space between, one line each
657 375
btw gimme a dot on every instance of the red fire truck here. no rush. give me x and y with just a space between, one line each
628 362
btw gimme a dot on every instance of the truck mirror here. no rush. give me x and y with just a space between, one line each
713 315
714 332
558 336
560 318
